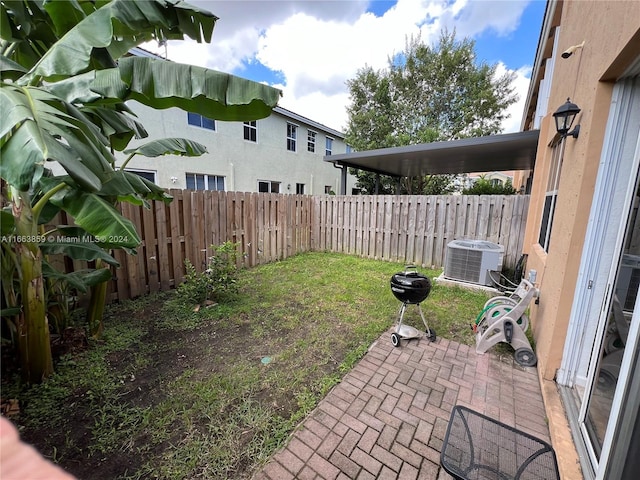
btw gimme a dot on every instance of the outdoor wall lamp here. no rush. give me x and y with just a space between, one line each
564 117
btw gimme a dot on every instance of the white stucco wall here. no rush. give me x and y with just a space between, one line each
241 162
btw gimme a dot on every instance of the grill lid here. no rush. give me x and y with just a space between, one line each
410 286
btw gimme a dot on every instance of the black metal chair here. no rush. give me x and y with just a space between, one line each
479 447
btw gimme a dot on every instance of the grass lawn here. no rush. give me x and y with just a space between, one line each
173 393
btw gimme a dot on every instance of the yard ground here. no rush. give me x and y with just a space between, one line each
174 393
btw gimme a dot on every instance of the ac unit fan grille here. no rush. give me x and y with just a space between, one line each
463 264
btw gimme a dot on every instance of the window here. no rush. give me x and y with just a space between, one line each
292 133
311 141
266 186
299 188
328 146
199 181
146 174
198 120
349 149
251 131
551 196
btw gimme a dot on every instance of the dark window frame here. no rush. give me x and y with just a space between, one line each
311 141
292 137
328 146
268 186
251 131
197 120
551 195
204 181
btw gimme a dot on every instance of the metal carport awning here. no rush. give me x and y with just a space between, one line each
494 153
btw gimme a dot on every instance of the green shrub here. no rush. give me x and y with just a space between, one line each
482 186
218 280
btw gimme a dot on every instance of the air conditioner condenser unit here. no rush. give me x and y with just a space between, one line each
472 261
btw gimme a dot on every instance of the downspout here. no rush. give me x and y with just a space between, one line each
343 178
343 181
377 186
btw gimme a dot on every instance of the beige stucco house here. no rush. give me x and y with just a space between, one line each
583 237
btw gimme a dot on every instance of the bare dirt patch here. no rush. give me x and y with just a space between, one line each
148 370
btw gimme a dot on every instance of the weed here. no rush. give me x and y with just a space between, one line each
218 280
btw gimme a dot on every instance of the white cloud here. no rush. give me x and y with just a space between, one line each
317 45
521 86
470 18
318 56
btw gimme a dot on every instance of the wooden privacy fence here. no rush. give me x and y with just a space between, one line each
416 229
269 227
266 227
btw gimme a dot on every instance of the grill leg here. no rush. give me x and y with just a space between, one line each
403 308
395 336
431 334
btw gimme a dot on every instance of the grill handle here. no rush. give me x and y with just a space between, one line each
410 270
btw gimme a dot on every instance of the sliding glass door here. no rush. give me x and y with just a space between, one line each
607 380
600 357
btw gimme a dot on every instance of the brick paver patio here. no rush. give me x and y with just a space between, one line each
388 416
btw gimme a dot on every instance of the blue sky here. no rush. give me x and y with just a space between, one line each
309 48
517 48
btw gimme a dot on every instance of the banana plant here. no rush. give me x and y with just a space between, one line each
65 80
127 186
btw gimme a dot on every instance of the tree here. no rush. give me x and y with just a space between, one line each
430 185
426 94
62 99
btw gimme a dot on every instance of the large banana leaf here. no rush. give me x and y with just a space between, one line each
129 187
161 84
117 26
116 123
98 218
77 250
36 126
10 69
114 119
81 280
169 146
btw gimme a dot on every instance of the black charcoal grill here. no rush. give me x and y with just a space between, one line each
411 288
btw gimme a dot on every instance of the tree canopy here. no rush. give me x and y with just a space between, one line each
426 94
